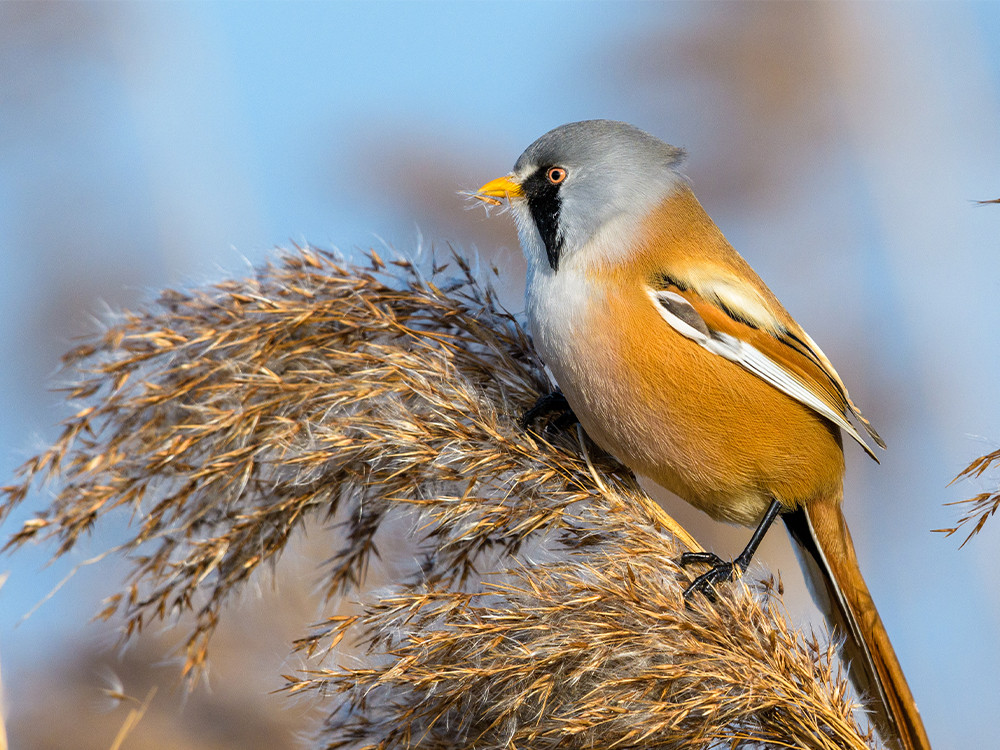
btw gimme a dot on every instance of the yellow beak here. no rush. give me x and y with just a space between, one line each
502 187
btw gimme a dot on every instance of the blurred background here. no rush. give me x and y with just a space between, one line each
839 146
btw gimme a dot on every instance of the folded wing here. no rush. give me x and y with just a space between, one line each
775 352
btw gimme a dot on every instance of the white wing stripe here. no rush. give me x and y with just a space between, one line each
683 318
680 315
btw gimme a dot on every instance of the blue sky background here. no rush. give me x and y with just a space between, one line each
839 146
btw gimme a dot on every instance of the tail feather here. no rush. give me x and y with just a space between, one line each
832 571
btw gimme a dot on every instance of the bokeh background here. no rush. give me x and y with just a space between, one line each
840 147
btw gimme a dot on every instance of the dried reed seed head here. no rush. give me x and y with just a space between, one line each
591 650
980 508
542 607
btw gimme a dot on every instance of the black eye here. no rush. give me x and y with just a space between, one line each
555 175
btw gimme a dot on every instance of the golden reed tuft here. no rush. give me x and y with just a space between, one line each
543 608
979 509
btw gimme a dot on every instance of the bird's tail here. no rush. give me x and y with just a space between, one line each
831 567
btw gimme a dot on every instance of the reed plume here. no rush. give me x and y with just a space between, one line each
540 606
980 508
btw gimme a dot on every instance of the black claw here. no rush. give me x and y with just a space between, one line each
695 558
550 404
721 570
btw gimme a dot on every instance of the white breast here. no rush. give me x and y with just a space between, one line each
557 309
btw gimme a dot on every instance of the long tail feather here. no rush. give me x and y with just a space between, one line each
831 567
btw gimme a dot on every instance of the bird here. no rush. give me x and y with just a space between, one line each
678 360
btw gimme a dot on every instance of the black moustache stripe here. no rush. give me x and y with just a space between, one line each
545 205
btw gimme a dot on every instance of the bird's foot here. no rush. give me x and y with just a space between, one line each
720 572
552 407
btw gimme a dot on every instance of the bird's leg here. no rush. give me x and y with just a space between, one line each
550 403
722 570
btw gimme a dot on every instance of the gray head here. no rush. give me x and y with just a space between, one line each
576 180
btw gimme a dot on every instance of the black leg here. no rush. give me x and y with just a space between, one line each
550 403
722 570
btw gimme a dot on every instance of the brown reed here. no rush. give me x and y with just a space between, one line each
979 509
543 606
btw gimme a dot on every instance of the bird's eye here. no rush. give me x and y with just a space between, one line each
555 175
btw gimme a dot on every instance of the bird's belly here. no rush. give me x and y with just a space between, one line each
695 423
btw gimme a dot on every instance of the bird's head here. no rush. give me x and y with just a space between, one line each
583 178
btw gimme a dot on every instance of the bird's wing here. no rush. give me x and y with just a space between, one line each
736 323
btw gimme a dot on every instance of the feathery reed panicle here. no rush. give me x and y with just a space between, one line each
594 650
543 607
980 508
